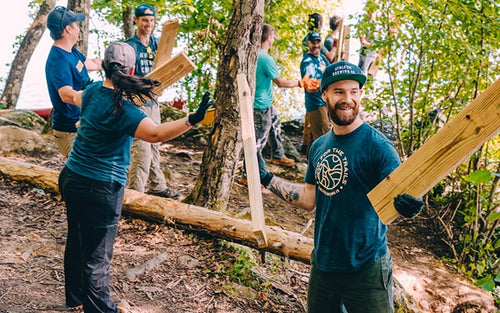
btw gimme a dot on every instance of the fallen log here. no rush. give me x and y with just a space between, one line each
282 242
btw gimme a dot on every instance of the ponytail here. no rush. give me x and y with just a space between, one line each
135 89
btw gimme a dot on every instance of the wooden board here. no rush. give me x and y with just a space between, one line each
345 47
455 142
171 71
167 42
251 163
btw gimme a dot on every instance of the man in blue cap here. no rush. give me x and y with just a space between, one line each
66 72
351 266
145 167
313 65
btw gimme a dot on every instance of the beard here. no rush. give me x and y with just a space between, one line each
343 114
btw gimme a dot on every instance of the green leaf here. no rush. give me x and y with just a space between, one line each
493 216
479 177
497 278
486 283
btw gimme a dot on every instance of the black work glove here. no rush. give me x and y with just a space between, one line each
266 179
407 205
199 115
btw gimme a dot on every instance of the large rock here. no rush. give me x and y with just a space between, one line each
27 142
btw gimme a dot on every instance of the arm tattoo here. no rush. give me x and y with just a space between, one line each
286 190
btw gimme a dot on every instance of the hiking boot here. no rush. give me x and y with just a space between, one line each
284 162
166 193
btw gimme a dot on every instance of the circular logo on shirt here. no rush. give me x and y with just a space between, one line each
331 172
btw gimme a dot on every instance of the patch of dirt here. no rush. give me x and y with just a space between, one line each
158 268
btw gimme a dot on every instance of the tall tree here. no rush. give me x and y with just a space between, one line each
82 6
239 55
18 68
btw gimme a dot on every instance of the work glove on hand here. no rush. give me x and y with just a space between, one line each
310 84
199 115
407 205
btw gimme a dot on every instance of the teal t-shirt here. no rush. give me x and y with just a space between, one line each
101 150
348 234
314 66
265 73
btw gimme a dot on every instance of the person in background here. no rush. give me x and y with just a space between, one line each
313 65
66 72
93 178
145 173
264 113
331 40
351 265
315 24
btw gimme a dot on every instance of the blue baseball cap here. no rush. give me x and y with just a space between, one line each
61 17
144 10
313 36
342 70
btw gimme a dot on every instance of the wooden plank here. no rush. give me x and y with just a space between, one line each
340 41
171 71
455 142
167 42
251 164
345 49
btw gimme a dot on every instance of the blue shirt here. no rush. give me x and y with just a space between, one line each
265 73
101 150
65 68
314 66
348 234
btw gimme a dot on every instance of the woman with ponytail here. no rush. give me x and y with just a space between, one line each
93 179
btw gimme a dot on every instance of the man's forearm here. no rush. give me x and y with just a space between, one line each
293 192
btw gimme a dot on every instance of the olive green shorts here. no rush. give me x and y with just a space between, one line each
366 291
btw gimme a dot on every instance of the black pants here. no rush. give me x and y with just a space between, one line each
93 210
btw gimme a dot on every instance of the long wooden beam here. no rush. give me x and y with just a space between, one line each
251 163
448 148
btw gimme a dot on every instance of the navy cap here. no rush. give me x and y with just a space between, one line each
342 70
61 17
313 36
144 10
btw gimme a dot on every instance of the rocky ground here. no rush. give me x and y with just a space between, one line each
159 268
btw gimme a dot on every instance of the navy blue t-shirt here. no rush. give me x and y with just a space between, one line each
348 234
101 150
65 68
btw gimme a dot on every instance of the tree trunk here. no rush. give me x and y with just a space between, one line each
223 151
18 68
82 6
128 21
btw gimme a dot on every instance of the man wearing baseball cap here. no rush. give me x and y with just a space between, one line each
351 263
145 173
66 72
313 65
